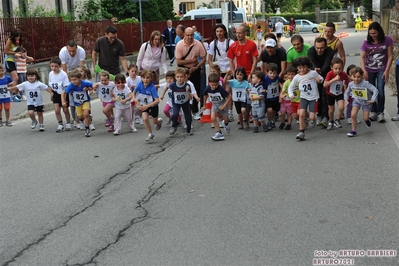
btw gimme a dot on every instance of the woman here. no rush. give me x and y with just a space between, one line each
152 55
292 26
13 42
375 59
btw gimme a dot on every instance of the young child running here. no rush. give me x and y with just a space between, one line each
104 89
167 110
286 106
272 87
5 97
32 89
306 80
257 97
86 76
132 80
216 69
181 96
220 99
121 96
335 84
79 88
21 59
58 80
364 95
146 99
350 100
239 87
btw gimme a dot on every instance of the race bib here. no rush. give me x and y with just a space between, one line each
309 87
239 95
296 92
272 91
56 86
360 93
4 93
120 96
144 99
254 102
336 87
216 97
180 97
104 93
79 97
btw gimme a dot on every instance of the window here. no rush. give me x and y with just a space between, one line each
58 6
69 6
22 7
7 8
189 5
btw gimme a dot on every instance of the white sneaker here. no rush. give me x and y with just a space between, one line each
134 129
197 116
91 127
149 137
116 132
141 122
82 126
373 116
23 98
159 124
60 128
68 126
231 117
395 118
137 120
381 118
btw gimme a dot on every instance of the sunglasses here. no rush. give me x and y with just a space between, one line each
120 82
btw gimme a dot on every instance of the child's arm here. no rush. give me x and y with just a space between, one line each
164 91
63 98
190 96
113 98
375 93
96 85
327 83
128 98
49 90
12 88
228 76
228 99
205 99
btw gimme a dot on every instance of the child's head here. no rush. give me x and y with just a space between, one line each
337 65
132 70
32 75
357 74
302 64
86 73
240 74
180 75
213 80
104 77
170 76
2 70
187 73
55 64
349 68
120 80
257 77
146 77
272 69
20 49
215 68
290 72
75 76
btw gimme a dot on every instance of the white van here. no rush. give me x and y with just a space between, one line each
216 13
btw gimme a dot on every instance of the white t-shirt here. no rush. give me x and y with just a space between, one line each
57 82
121 95
307 85
279 27
222 59
104 91
72 62
33 92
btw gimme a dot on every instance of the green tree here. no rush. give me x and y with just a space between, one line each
309 5
166 9
284 5
368 8
121 9
150 11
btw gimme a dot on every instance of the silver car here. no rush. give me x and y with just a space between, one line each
305 25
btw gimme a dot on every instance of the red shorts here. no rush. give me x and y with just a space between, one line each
295 107
7 106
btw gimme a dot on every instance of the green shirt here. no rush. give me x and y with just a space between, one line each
292 54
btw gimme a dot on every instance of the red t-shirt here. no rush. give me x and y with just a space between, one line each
337 87
244 54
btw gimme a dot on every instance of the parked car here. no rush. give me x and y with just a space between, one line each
282 20
305 25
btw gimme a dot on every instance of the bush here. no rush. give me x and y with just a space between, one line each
307 15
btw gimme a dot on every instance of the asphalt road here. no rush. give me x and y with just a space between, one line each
253 199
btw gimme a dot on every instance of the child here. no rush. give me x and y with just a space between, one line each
32 89
132 82
195 96
259 36
220 99
306 80
181 96
272 89
216 69
104 89
5 97
238 87
361 92
335 87
350 100
21 58
78 89
146 99
86 75
58 80
121 96
256 94
286 106
167 110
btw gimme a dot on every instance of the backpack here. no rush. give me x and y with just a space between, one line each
146 45
217 50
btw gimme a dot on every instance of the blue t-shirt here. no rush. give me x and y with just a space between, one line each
78 94
272 88
4 93
146 95
238 89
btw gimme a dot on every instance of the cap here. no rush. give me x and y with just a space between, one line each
270 43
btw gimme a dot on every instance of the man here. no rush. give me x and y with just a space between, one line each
187 52
298 49
333 41
180 29
243 51
72 56
169 35
321 55
111 51
279 30
273 54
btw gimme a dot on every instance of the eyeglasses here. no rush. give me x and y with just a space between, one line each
189 35
120 82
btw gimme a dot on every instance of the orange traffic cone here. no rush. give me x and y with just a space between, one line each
206 115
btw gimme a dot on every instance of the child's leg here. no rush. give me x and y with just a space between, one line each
57 110
127 112
214 120
166 110
175 114
331 110
349 110
86 113
67 114
355 110
270 114
146 120
187 116
366 115
40 116
31 114
118 120
107 111
340 104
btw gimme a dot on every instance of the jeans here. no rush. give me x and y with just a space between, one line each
187 115
397 85
376 80
21 78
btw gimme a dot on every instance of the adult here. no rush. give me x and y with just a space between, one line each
218 48
279 27
180 29
298 49
375 59
321 55
201 39
187 53
358 21
152 55
169 35
270 25
111 51
72 55
13 42
292 26
333 41
273 54
243 52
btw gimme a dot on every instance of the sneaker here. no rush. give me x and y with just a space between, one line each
107 122
288 127
395 118
87 132
300 136
189 133
8 124
218 136
173 131
134 129
117 132
318 121
231 117
137 120
159 124
1 123
312 124
381 118
150 137
168 121
68 126
141 122
330 125
265 128
111 128
246 125
41 127
16 99
373 116
60 128
349 121
91 126
34 124
227 129
342 117
337 123
282 125
351 134
82 126
269 126
255 129
197 116
23 98
323 122
273 124
368 123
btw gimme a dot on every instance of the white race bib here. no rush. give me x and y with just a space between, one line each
79 97
144 99
180 97
4 93
336 87
308 87
56 86
239 95
216 97
104 93
272 91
